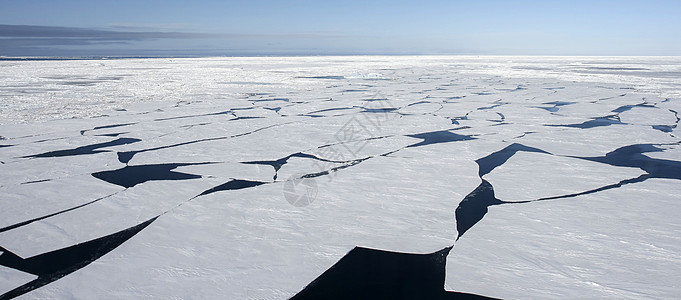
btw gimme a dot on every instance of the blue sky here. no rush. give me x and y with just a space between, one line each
171 27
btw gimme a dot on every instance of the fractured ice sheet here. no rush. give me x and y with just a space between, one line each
245 235
371 273
545 175
12 278
587 246
560 172
55 264
111 214
29 201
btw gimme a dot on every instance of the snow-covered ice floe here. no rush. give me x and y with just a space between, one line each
341 177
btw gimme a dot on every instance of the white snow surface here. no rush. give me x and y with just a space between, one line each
366 120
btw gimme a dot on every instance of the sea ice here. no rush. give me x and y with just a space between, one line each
251 177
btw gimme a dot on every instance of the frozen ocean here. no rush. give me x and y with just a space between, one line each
340 177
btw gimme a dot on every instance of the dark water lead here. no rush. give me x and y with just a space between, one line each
498 158
595 122
374 99
111 134
491 106
275 109
474 207
277 164
632 156
503 118
624 108
437 137
130 176
85 150
455 120
366 273
378 110
126 156
336 169
227 112
271 99
24 223
234 184
663 128
419 102
556 105
245 118
323 77
669 128
641 178
676 115
56 264
106 127
36 181
559 103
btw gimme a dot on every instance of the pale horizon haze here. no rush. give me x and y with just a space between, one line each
228 28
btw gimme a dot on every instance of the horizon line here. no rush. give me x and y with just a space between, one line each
103 57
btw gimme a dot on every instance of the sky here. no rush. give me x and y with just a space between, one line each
296 27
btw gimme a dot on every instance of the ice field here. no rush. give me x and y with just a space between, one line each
400 176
